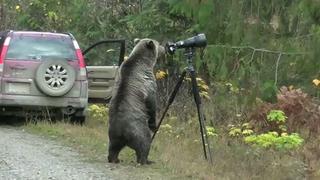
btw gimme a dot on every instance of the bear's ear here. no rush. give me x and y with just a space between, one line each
136 41
150 44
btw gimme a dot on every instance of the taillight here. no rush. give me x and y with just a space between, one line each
4 49
4 52
79 54
83 71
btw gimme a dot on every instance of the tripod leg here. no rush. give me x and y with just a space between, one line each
170 100
203 130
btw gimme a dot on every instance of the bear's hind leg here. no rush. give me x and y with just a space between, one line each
142 149
114 150
142 155
142 158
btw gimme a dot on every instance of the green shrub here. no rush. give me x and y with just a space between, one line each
98 113
277 116
274 140
280 140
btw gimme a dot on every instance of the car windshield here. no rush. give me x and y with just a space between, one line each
23 47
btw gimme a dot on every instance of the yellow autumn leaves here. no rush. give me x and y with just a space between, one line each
18 8
203 87
316 82
161 74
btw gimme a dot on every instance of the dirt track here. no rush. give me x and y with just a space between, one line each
26 156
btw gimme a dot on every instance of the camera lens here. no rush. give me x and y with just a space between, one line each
197 41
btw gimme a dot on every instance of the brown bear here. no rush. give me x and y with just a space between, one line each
132 111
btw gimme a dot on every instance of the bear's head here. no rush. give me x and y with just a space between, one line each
148 50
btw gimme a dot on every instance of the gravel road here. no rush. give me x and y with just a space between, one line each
26 156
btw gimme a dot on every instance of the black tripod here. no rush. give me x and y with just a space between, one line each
189 53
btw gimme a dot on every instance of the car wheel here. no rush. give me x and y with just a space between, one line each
55 77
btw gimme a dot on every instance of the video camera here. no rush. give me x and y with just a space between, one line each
199 40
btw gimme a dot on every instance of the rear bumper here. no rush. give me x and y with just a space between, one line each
42 101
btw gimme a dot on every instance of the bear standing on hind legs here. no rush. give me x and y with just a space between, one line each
132 112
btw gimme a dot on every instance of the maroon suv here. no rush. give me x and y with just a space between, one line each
45 73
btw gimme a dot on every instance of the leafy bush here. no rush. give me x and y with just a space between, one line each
274 140
211 131
99 113
243 130
277 116
271 139
302 111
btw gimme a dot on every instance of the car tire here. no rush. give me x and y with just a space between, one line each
55 77
79 117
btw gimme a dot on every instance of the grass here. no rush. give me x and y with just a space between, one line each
182 152
178 154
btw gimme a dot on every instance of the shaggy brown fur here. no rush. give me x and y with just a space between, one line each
133 105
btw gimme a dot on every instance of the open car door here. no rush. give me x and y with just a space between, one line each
103 60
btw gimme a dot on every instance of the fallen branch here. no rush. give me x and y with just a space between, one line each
260 49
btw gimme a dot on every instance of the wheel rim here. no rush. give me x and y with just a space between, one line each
56 76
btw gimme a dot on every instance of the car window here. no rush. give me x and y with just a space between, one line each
40 48
104 55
